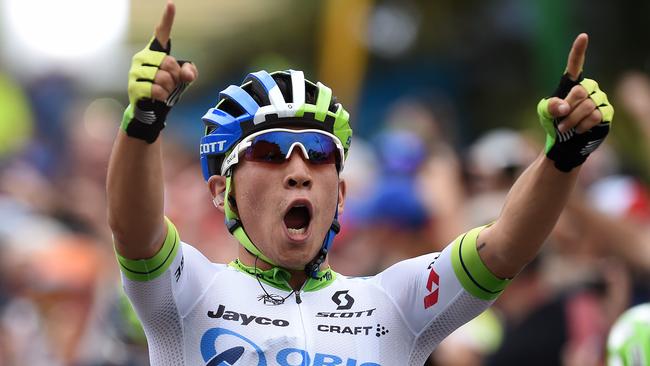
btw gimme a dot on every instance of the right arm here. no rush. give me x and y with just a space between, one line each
135 180
135 197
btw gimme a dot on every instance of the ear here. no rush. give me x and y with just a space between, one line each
342 188
217 186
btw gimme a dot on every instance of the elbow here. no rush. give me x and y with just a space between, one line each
507 265
505 255
134 240
118 227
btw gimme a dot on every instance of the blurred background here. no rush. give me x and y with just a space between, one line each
442 96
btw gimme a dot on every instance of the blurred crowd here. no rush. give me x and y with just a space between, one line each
413 187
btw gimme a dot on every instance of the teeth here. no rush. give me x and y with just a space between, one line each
297 231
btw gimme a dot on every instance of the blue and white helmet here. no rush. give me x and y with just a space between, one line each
266 101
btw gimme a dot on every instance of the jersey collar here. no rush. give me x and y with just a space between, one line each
279 277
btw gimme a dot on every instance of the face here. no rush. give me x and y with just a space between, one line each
287 209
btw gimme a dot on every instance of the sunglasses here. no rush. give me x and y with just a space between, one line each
276 145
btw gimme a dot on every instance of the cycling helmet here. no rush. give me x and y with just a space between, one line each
264 101
629 340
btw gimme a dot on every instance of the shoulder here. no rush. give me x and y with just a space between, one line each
409 269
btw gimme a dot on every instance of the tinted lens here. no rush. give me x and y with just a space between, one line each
320 149
265 151
273 147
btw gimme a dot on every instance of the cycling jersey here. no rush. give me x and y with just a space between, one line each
195 312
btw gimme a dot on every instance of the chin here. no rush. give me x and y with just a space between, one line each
296 259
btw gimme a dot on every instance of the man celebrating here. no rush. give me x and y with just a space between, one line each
272 155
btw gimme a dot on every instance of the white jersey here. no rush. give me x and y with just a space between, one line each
196 312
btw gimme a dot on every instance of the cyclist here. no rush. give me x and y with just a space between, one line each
272 153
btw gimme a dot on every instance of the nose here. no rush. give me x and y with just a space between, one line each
298 173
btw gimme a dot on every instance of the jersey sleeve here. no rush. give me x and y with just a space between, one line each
163 289
143 270
438 292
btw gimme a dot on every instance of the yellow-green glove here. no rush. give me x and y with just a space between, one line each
144 118
570 149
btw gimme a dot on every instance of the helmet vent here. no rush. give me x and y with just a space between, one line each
231 107
284 83
210 128
311 96
311 93
256 90
333 105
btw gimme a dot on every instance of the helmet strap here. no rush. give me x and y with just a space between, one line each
312 268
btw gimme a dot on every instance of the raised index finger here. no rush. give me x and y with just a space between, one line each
164 28
577 56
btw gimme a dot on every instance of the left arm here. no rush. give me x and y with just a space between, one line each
536 200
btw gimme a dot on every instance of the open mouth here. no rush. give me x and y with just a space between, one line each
297 220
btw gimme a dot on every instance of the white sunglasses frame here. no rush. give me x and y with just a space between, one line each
233 157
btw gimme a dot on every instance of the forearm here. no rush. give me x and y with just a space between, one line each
532 208
135 196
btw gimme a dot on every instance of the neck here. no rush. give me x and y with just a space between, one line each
297 279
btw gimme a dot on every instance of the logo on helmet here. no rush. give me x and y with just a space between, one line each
213 147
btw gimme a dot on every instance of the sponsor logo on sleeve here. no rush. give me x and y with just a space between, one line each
179 269
433 282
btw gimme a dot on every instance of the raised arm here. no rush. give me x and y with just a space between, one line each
576 119
135 180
